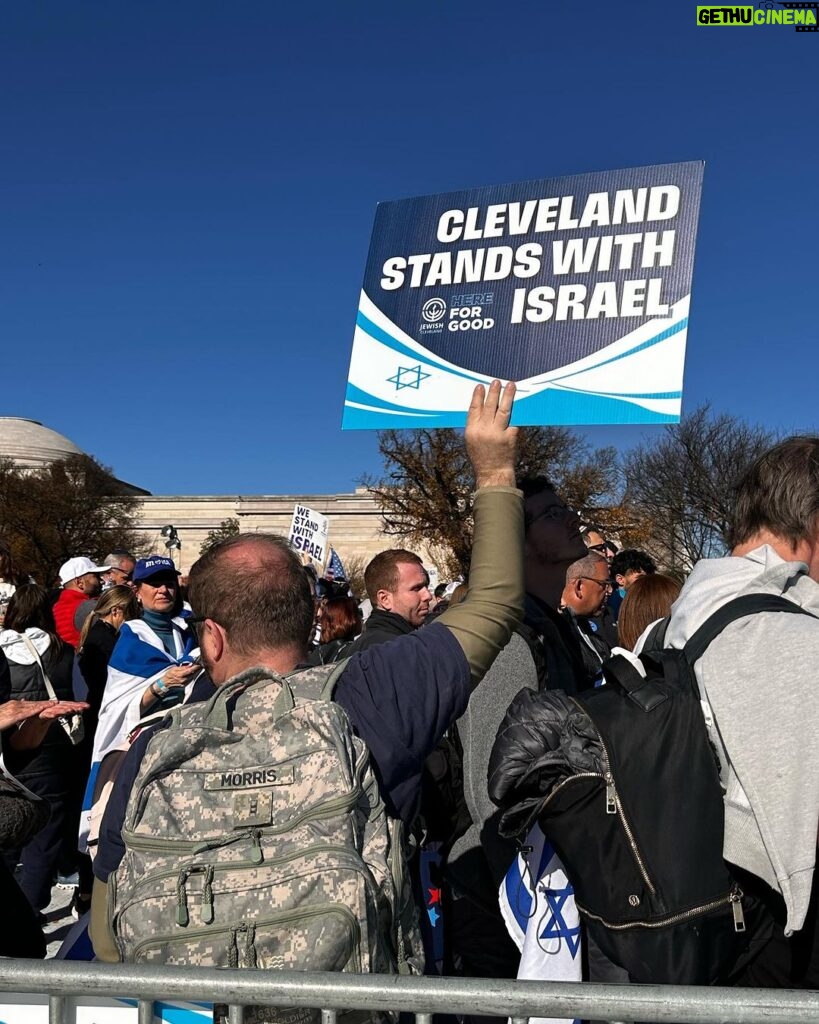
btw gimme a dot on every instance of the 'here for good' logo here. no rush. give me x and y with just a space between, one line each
433 310
802 15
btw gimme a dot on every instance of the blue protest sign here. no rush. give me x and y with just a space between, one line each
578 288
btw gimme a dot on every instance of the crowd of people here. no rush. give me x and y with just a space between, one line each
548 601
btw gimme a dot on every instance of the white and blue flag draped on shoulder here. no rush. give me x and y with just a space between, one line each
138 659
537 904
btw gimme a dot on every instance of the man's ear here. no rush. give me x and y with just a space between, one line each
384 598
619 579
216 639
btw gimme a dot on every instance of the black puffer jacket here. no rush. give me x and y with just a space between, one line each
544 739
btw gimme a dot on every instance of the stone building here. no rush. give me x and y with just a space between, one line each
355 519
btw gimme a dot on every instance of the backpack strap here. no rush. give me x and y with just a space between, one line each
618 670
32 650
332 679
655 641
215 711
535 643
738 608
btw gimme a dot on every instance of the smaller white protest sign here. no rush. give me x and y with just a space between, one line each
308 534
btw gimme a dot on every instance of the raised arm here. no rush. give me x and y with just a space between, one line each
483 622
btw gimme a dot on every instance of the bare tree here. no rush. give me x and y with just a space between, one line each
681 485
426 491
74 506
354 566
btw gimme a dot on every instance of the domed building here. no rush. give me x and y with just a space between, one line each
29 443
355 519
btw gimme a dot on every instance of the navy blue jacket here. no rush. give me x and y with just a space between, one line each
400 697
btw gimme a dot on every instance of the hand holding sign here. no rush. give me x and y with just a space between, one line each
578 288
490 442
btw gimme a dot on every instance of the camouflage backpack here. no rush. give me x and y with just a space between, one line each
256 836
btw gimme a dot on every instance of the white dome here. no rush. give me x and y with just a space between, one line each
29 443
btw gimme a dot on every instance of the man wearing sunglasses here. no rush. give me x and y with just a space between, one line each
121 572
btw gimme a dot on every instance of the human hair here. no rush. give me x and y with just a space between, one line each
255 587
30 607
779 493
587 528
586 566
632 560
531 487
340 619
458 594
115 597
649 598
382 573
116 558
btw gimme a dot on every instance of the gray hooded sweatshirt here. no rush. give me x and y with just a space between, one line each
759 682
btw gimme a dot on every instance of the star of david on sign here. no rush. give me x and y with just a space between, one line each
408 377
554 926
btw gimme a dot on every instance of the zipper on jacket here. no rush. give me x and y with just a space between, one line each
611 794
615 806
618 809
734 897
736 907
572 778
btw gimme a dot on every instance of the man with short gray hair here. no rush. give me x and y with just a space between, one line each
587 587
121 572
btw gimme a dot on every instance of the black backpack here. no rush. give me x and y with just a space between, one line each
642 841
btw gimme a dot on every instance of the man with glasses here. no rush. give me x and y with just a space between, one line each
121 572
587 587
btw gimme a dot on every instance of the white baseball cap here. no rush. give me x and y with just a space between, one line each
75 567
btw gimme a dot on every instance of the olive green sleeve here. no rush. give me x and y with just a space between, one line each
483 622
99 930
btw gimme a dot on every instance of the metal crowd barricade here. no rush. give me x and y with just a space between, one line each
60 980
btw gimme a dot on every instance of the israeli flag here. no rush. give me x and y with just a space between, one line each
138 660
537 904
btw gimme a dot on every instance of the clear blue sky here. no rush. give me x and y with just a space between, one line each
188 189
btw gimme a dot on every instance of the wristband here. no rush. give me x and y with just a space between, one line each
161 688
